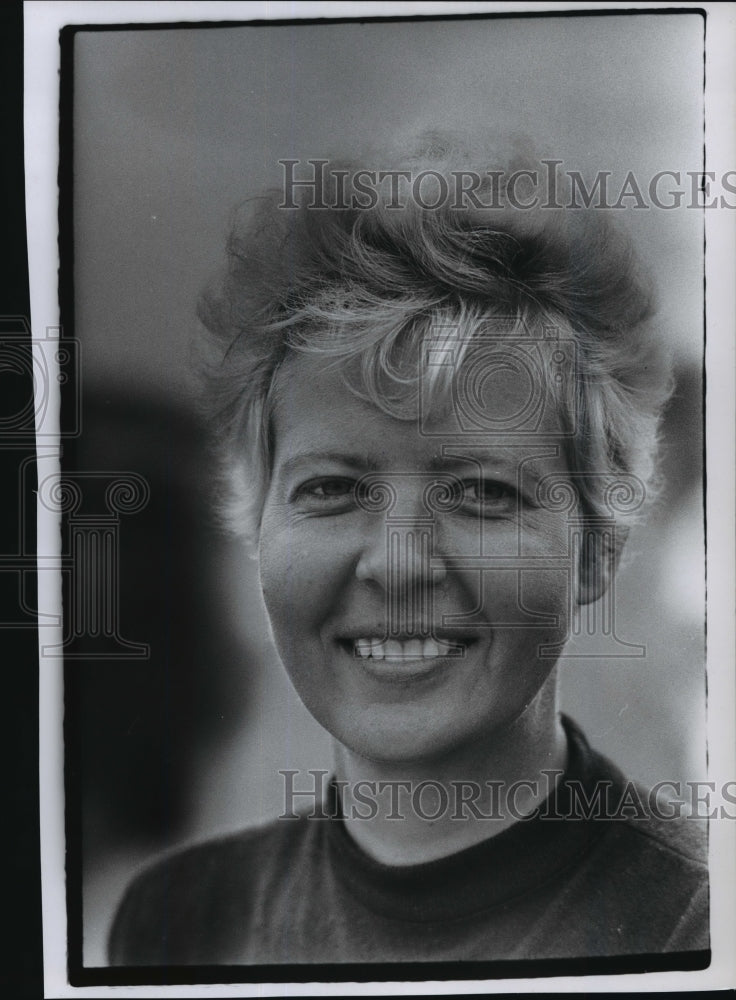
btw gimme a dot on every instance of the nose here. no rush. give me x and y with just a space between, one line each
399 554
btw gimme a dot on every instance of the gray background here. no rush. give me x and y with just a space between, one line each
172 128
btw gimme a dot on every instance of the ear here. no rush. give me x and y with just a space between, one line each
599 553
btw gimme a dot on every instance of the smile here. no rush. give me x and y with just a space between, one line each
408 649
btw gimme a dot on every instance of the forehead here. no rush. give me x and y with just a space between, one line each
493 407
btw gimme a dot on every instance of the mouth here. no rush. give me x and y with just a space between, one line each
397 650
405 649
405 660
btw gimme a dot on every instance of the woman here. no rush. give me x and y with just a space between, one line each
438 412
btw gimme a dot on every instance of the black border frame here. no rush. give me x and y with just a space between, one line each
78 974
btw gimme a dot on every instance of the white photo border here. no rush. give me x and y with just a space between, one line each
43 21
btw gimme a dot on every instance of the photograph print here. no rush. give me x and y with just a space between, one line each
385 620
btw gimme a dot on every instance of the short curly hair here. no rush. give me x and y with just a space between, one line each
367 288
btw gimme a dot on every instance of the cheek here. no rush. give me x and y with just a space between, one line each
278 570
302 570
545 591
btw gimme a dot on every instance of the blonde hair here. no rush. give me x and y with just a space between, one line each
367 288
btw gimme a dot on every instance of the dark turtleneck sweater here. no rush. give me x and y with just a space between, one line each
556 885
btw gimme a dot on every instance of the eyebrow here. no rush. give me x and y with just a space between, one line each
367 463
356 462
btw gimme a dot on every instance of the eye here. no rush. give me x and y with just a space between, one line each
325 492
490 496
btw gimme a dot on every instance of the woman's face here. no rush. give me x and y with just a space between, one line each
409 607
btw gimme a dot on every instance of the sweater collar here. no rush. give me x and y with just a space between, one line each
516 861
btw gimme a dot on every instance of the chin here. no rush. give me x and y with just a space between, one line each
409 743
412 734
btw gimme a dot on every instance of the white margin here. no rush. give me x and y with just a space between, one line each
42 22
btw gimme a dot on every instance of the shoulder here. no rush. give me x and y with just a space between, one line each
648 870
668 841
645 817
659 860
681 839
666 858
181 908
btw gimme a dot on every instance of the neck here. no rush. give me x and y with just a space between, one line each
468 795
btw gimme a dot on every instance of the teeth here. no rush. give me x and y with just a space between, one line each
396 649
413 649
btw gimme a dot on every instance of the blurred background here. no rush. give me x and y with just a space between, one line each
172 129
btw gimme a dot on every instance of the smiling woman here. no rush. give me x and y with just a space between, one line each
380 585
437 421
